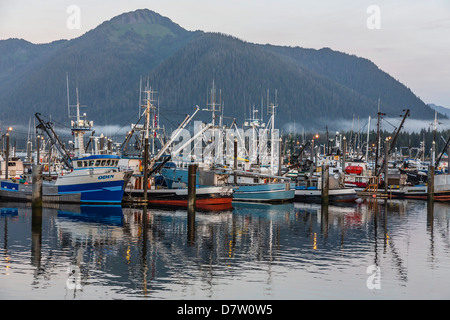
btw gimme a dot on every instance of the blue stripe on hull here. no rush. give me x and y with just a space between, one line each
99 192
10 186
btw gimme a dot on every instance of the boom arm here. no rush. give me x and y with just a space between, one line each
46 126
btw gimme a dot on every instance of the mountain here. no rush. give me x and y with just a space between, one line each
312 88
244 72
440 109
105 63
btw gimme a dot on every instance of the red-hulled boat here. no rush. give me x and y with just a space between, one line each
211 198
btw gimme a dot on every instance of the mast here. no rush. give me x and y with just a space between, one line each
271 110
214 107
367 146
68 100
378 137
79 127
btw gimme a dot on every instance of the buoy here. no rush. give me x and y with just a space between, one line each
354 170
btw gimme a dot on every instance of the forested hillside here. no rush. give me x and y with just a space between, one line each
313 88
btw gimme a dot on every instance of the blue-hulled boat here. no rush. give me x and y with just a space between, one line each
252 186
270 192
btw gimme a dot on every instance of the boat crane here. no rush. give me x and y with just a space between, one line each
48 129
394 140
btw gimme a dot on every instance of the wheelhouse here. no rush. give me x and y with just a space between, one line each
100 161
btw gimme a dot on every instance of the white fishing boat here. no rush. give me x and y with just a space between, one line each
91 178
311 191
94 179
248 158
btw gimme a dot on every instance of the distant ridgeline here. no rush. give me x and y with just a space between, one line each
314 88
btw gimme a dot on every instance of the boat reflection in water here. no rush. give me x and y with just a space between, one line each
253 251
109 215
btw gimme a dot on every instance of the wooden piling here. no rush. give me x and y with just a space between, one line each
145 169
36 235
430 183
191 227
192 184
38 149
344 151
325 184
235 160
280 156
36 196
386 167
7 156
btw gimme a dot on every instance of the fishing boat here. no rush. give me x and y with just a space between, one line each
250 186
314 195
94 179
90 178
310 190
208 198
357 175
162 192
248 173
270 192
420 191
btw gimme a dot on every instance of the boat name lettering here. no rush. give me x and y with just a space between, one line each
105 177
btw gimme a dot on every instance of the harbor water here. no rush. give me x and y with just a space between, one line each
385 249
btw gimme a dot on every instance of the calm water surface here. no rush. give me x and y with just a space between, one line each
373 250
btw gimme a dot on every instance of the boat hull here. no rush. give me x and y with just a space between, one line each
276 192
334 195
420 192
94 189
208 198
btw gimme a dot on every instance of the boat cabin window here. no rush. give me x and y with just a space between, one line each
96 163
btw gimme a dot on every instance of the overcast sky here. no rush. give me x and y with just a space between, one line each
409 39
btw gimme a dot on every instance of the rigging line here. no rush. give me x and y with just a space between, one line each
173 124
390 123
128 123
172 111
55 123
